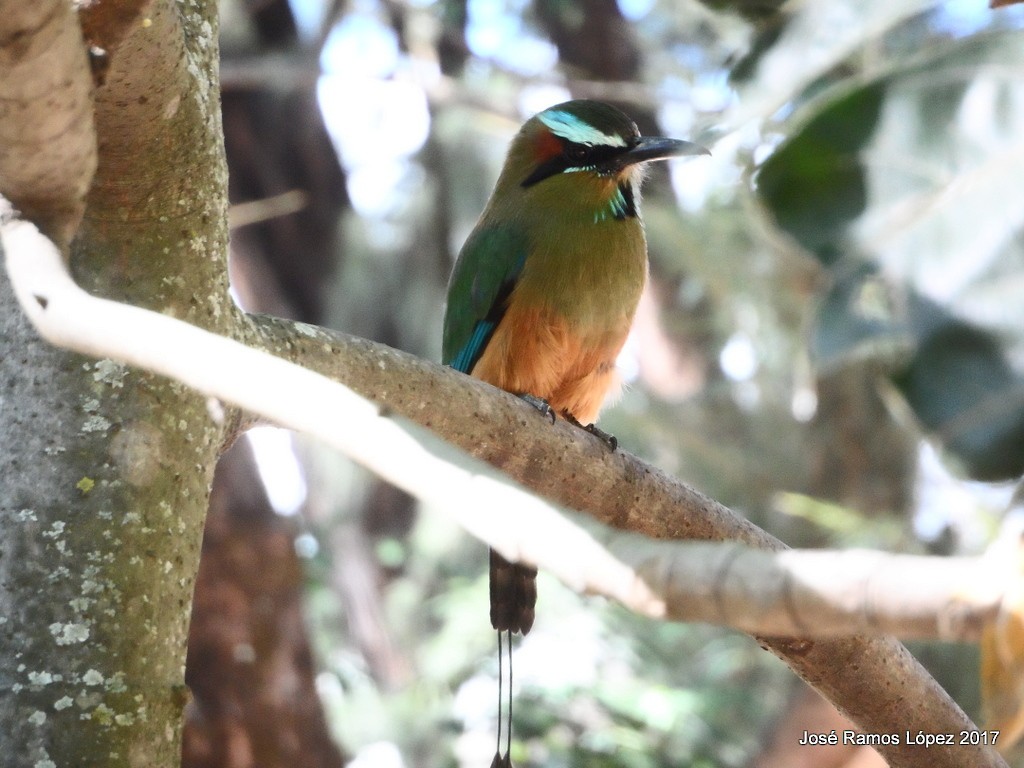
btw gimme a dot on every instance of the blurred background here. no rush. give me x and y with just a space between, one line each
832 344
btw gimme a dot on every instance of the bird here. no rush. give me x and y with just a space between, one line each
544 290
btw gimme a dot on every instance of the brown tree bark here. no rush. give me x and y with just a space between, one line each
250 666
106 470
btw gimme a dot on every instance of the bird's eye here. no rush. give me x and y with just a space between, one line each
576 152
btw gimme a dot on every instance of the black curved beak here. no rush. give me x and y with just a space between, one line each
655 148
611 160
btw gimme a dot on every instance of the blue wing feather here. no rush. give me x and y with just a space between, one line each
472 349
485 274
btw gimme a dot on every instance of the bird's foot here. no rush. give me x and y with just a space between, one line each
608 439
539 403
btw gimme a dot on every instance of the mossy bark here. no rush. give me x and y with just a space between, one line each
106 470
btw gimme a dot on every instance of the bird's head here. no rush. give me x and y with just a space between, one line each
586 155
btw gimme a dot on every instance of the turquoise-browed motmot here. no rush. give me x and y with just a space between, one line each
545 288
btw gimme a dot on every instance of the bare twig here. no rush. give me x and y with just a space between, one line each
822 593
256 211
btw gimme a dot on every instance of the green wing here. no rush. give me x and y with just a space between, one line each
485 273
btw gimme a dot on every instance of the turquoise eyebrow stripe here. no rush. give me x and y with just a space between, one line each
573 129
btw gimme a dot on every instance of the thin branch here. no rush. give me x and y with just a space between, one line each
873 679
822 593
256 211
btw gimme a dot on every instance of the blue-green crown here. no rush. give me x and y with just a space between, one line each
591 123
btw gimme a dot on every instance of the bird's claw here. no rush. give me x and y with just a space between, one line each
539 403
605 437
608 439
545 408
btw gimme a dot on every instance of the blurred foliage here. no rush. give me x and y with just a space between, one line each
831 343
893 219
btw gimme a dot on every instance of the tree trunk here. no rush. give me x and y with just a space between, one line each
106 471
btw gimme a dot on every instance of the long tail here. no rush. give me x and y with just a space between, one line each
513 599
513 595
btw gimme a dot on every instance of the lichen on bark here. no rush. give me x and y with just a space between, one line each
106 469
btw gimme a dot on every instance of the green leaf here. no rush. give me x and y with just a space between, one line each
906 190
815 184
963 389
